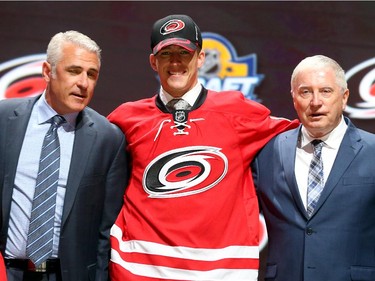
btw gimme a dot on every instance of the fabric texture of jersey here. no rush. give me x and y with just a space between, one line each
3 276
190 211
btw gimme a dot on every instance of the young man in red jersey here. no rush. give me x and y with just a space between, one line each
190 211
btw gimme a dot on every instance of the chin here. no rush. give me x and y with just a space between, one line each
77 107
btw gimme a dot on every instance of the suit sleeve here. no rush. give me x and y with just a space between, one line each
116 182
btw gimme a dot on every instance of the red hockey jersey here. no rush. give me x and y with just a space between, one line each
190 211
3 276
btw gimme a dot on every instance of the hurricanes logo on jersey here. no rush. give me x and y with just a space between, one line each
185 171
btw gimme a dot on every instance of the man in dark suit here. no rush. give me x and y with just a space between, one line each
320 220
91 173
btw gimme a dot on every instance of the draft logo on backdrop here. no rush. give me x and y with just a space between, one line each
224 70
361 80
21 77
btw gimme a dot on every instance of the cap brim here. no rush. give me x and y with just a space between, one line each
184 43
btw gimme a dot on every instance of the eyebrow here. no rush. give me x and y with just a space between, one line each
81 68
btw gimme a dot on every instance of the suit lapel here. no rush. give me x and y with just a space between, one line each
84 139
349 148
288 156
16 130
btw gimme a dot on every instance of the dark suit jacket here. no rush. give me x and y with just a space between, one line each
94 191
338 242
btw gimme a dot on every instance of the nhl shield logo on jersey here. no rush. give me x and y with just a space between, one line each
185 171
180 116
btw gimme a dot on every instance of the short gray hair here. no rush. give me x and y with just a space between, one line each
320 60
55 46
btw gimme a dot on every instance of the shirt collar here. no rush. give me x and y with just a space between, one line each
331 140
46 112
189 96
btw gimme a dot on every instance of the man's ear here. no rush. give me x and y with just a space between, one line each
201 58
47 71
153 62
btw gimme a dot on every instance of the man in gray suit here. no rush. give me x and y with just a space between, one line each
320 219
91 175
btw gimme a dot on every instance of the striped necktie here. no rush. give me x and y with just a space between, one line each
315 183
40 236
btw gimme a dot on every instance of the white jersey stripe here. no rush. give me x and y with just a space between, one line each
203 254
162 272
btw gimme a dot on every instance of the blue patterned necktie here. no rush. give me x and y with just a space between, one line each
315 183
40 236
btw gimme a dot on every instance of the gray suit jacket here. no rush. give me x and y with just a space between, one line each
338 242
94 192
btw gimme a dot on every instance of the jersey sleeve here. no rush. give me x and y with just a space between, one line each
255 125
2 269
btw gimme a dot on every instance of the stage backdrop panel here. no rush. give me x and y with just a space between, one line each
251 46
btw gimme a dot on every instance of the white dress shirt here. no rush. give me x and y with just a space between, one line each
304 155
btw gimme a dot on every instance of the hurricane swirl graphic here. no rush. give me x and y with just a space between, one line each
22 77
184 171
366 89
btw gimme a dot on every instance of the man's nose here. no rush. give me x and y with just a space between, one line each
83 80
316 99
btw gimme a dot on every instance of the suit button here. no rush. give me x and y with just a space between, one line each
309 231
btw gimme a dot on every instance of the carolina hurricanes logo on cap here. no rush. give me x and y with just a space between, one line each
172 26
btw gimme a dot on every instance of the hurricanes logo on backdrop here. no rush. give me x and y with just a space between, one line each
224 70
22 77
185 171
361 79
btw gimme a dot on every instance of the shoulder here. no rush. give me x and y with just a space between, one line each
280 142
135 105
100 122
235 102
229 97
132 109
11 104
363 136
356 133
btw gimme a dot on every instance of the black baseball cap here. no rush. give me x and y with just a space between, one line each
178 30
